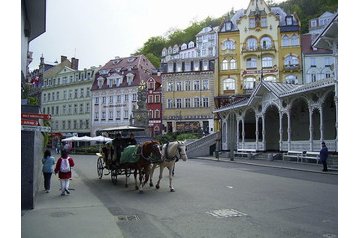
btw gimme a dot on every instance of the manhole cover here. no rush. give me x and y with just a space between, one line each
329 236
128 218
226 213
61 214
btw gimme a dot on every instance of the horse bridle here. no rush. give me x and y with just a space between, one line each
175 157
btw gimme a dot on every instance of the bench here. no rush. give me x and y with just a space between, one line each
311 155
293 154
248 152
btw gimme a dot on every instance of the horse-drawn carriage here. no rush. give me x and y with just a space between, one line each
122 156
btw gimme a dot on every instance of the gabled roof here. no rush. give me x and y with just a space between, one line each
52 72
307 48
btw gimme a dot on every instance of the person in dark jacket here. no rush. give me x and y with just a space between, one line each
323 155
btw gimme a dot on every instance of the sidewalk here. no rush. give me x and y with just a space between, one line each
80 214
308 167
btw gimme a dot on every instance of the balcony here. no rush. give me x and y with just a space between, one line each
248 49
291 68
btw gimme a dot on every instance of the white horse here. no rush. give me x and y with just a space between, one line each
171 152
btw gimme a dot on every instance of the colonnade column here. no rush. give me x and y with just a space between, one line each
280 130
310 127
321 128
288 131
242 133
263 131
257 132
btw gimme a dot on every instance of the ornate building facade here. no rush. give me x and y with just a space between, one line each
188 84
257 44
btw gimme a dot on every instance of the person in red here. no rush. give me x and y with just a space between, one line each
63 168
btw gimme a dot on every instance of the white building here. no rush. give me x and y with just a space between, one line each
114 91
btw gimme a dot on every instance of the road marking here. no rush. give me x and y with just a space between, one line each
226 213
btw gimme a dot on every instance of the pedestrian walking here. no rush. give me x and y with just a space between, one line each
323 155
63 168
47 169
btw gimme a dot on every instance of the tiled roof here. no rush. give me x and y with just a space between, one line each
306 46
139 66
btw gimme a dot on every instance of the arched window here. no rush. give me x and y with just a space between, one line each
267 62
184 46
225 65
228 45
191 44
251 43
249 83
291 60
270 78
251 63
229 84
291 79
285 41
266 42
233 64
295 40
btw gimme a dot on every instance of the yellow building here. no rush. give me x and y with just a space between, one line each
257 43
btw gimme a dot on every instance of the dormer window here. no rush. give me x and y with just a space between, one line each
289 20
228 26
184 46
130 77
119 80
100 82
191 44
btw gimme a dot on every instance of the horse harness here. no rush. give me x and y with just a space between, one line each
175 157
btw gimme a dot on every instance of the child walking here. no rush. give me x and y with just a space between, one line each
47 169
63 168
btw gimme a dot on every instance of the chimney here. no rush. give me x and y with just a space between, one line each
63 58
74 63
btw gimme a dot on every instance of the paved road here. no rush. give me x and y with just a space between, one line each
219 199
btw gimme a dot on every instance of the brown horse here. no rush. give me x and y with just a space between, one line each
148 153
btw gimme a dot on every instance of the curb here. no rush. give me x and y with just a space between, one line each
331 171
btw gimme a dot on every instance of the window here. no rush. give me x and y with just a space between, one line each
69 110
110 115
291 60
267 62
53 96
196 85
225 65
229 84
119 99
285 41
57 95
205 102
228 45
313 62
313 77
76 93
70 94
81 108
196 102
64 110
187 102
289 20
82 92
233 64
295 40
251 63
88 92
291 79
157 114
103 116
87 107
75 109
126 97
313 23
74 124
150 99
178 88
263 22
249 83
251 44
118 115
270 79
205 84
68 124
178 103
170 86
266 42
96 100
64 125
252 23
96 116
103 100
187 85
170 103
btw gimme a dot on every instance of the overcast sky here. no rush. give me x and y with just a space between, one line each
95 31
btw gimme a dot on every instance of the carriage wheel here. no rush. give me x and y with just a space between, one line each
100 167
114 176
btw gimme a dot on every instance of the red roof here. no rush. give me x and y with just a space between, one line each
138 65
306 41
